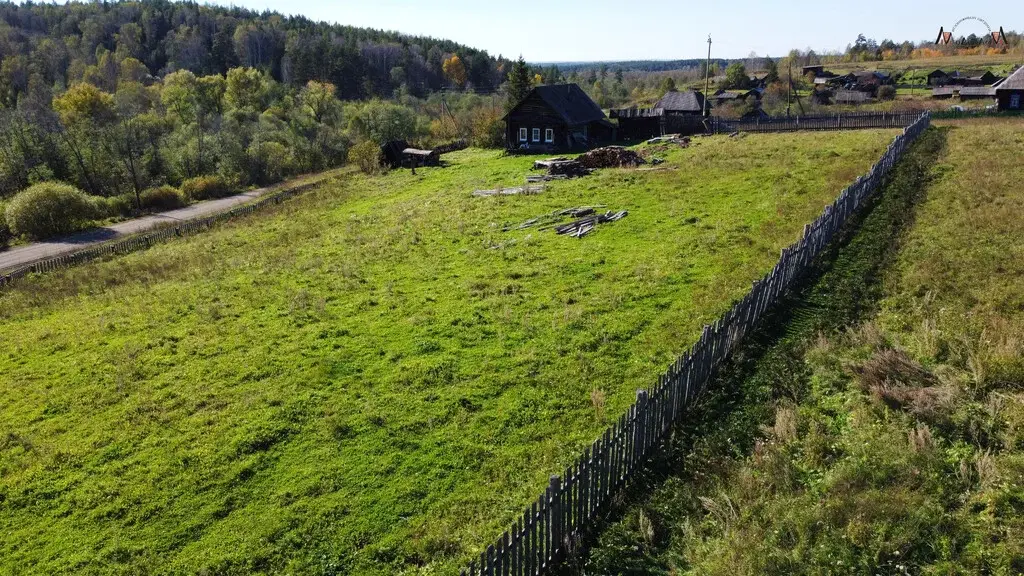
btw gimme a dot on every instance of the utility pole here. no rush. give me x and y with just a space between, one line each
707 78
789 93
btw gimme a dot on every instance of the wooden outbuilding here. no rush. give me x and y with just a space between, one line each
1010 92
678 112
938 78
556 118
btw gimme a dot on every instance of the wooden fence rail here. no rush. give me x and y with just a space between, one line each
834 122
539 539
147 239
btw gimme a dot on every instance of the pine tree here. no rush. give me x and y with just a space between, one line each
519 83
773 71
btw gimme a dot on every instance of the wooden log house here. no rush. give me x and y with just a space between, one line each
557 118
1010 92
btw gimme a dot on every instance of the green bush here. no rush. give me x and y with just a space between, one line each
123 205
206 188
49 209
366 155
162 198
5 232
886 92
272 162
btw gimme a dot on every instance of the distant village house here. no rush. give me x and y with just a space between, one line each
1010 92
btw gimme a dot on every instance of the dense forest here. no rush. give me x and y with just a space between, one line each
145 105
63 44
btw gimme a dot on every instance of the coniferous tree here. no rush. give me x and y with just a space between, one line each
773 71
519 83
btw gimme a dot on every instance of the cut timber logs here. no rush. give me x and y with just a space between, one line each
561 167
545 177
611 157
682 141
545 164
546 221
528 189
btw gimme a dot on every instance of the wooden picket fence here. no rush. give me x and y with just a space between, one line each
145 240
819 123
540 538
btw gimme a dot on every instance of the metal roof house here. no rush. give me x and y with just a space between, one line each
682 102
557 117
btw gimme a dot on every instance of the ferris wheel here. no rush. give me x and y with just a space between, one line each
990 36
988 28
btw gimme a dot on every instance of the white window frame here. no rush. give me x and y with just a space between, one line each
549 135
522 135
1015 101
536 134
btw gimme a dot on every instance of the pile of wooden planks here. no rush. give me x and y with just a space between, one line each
562 167
583 226
528 189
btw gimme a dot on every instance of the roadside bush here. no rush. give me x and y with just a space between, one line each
162 198
49 209
5 232
123 205
366 155
886 92
272 161
206 188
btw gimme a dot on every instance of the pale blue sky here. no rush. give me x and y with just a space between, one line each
586 30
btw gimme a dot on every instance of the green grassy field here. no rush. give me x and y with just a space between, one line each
890 445
997 63
374 378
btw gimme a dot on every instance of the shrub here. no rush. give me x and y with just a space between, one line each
272 162
487 129
123 205
49 209
366 155
162 198
206 188
5 232
886 92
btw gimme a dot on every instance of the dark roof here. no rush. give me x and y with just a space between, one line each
725 95
963 91
570 102
937 73
850 96
685 101
1014 81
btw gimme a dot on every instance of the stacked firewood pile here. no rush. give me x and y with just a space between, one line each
561 168
611 157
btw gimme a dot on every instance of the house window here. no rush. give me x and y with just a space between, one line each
549 135
1015 101
536 134
522 134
